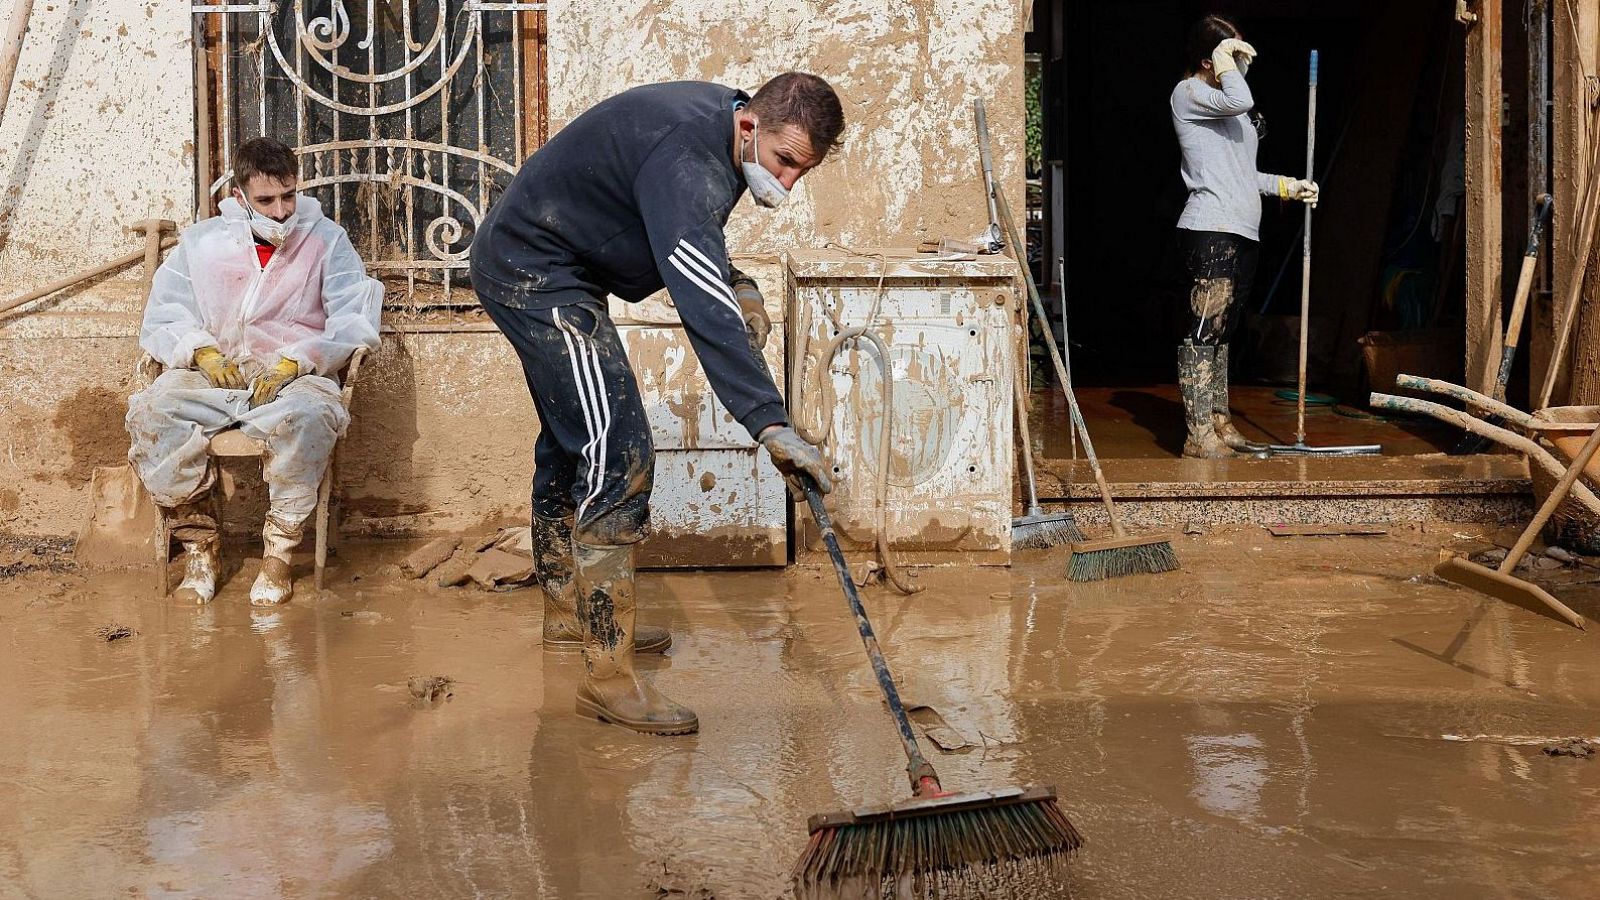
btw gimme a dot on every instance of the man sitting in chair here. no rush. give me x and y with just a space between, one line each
253 316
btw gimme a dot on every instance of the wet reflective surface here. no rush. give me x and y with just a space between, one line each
1282 718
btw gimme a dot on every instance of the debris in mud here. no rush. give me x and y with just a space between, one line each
1560 555
362 615
1194 528
429 557
497 569
431 688
114 632
19 555
1313 530
668 883
495 561
936 729
1574 747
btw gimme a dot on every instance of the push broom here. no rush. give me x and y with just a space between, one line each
936 841
1122 553
1035 529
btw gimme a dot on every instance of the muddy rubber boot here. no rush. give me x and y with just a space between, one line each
552 569
275 584
1196 365
195 528
1222 415
611 690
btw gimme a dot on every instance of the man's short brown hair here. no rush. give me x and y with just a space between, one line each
804 101
264 156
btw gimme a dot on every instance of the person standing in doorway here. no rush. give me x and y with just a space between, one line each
1218 233
632 196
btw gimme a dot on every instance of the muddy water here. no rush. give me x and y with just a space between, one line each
1273 721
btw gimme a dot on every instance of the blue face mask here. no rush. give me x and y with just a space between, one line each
764 186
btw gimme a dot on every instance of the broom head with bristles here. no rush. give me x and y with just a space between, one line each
1116 557
1039 530
924 843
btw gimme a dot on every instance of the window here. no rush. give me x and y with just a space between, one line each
410 117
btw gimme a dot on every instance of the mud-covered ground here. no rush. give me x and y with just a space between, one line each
1285 717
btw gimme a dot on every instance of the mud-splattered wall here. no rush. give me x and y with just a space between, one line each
99 135
907 72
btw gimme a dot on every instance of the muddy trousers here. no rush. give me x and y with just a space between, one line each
594 459
1221 269
172 421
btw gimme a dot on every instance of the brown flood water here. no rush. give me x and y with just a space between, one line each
1273 721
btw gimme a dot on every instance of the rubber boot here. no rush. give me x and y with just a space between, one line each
196 530
1221 414
1196 365
552 569
275 584
611 690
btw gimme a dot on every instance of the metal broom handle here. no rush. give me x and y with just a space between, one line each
1305 258
917 766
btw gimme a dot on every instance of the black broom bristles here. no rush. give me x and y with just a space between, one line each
1041 531
1089 564
933 852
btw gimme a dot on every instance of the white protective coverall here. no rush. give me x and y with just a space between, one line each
312 303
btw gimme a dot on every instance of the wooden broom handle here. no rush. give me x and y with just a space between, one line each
1557 494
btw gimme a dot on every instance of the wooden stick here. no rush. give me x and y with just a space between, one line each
1534 452
69 281
11 49
1470 397
1499 376
153 230
1557 494
1587 212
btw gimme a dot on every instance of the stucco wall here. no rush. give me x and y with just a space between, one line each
906 71
99 135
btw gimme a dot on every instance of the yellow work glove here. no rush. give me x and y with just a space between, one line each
269 383
221 371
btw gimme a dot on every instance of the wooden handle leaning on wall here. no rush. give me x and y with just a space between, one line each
11 49
154 230
126 259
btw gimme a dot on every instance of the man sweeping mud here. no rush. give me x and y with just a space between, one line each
631 197
253 316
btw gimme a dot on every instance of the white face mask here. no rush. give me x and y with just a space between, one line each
269 230
764 186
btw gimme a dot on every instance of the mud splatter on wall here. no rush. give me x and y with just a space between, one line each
906 71
100 132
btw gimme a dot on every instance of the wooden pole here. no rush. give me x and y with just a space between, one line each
11 49
60 284
1484 161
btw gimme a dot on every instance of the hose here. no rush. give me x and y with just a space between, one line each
829 398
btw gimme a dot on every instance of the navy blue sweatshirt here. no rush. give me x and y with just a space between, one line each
632 196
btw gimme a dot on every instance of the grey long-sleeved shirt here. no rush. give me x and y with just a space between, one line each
1219 157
